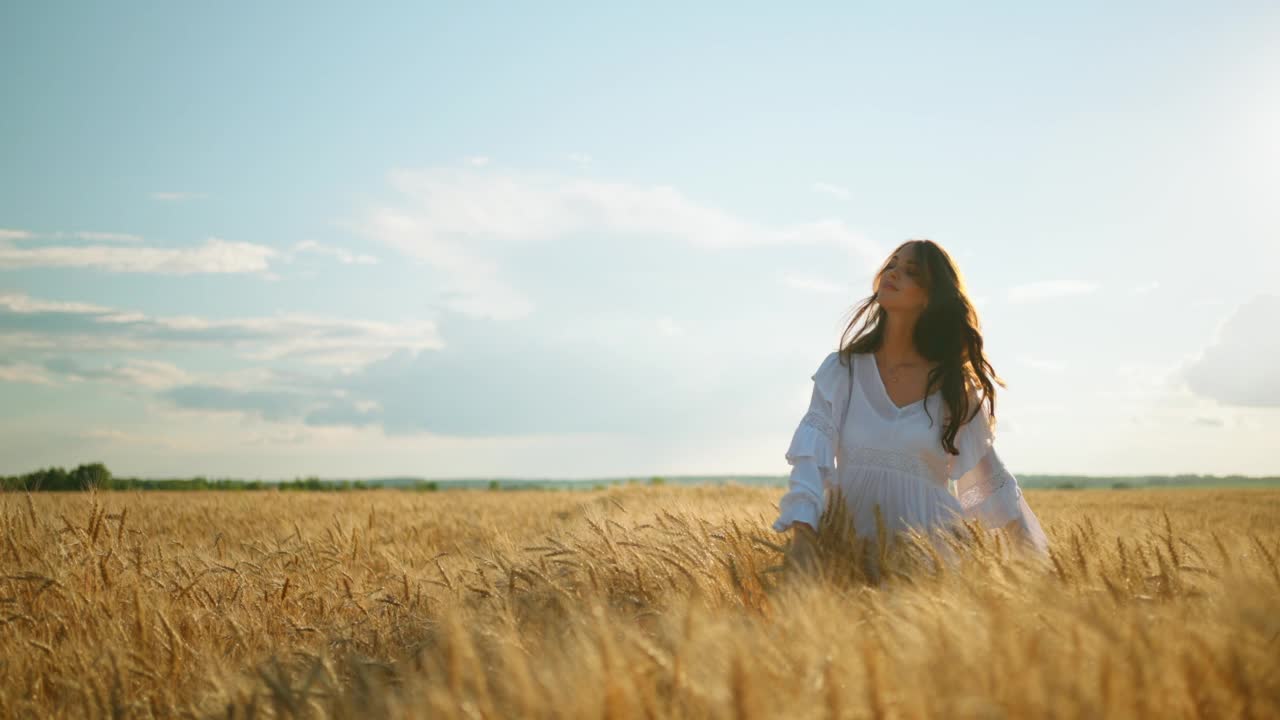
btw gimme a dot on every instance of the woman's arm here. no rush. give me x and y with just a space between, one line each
987 491
811 453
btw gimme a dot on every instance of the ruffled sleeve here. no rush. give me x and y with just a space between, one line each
987 491
813 446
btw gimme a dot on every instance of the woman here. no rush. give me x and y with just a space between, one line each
904 406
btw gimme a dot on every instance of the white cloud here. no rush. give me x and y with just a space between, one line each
26 373
135 372
475 285
1241 364
35 325
149 374
23 303
580 159
830 189
9 234
462 220
346 257
214 256
1144 288
1049 289
478 161
171 196
530 206
476 387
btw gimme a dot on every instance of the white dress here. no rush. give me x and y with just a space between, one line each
891 455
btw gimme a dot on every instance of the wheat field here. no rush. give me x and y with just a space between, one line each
632 601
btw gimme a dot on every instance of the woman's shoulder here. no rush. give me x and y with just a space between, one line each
832 374
836 357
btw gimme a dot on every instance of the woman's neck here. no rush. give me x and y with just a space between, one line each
897 345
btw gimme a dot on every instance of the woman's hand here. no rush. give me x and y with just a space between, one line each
803 552
1017 531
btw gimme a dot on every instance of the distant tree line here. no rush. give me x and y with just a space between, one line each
96 476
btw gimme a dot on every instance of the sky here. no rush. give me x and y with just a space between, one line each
271 240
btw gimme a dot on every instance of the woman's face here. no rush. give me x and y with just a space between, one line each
899 286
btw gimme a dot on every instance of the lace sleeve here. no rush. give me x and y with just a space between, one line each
811 453
987 491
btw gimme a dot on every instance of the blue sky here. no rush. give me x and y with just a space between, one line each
576 241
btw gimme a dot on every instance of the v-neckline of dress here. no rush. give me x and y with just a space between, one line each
884 391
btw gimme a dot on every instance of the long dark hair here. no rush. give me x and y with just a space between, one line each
948 332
